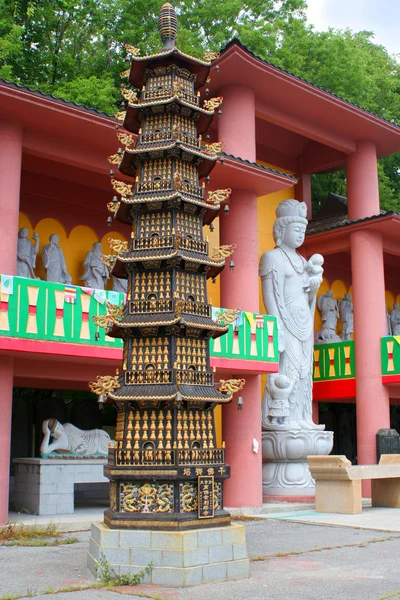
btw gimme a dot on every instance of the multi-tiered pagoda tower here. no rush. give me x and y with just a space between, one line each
165 469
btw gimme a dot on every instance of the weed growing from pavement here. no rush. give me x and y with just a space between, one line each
111 578
18 534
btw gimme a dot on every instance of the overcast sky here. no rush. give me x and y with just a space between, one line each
380 16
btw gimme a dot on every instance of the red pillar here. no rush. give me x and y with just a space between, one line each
368 280
239 289
10 177
362 181
237 124
315 411
6 387
303 187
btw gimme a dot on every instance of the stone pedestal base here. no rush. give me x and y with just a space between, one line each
179 559
285 469
45 486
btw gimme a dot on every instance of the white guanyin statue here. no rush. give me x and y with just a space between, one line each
290 285
68 439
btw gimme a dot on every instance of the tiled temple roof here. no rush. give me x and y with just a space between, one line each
333 215
234 41
338 221
306 81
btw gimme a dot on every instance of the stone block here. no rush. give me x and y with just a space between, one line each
92 565
220 553
172 558
48 509
51 499
193 576
174 562
134 539
96 531
82 468
238 568
166 540
167 576
235 534
209 537
189 540
215 572
239 551
94 549
106 537
195 557
116 556
142 557
338 496
65 508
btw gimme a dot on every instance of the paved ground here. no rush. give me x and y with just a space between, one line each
339 563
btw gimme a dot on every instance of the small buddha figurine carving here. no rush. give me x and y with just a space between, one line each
26 254
395 319
54 261
345 306
120 285
329 314
96 273
280 387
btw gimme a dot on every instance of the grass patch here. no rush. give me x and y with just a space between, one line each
110 578
394 595
18 534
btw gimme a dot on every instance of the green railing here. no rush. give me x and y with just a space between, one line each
390 355
46 311
251 337
334 361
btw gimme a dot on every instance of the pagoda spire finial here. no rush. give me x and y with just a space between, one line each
168 25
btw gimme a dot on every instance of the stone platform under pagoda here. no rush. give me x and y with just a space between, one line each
177 559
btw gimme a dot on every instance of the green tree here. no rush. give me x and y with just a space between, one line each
75 50
352 66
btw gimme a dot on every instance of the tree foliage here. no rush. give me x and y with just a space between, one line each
75 50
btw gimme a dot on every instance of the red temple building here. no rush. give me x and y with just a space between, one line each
276 130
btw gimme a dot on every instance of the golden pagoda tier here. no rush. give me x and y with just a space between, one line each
165 468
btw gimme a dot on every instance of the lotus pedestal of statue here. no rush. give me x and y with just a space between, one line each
285 469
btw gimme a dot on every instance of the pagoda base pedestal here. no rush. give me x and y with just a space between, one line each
178 558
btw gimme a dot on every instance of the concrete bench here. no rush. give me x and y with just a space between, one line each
46 486
338 483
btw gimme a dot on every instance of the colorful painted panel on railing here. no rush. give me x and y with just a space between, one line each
46 311
390 353
42 310
334 361
250 337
